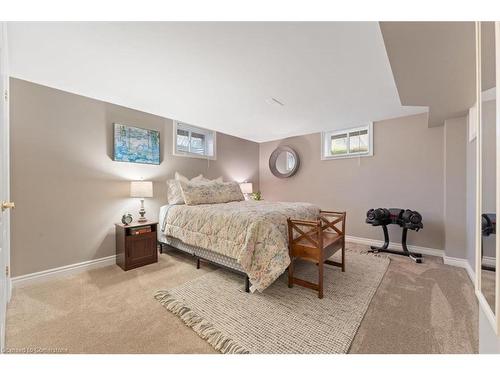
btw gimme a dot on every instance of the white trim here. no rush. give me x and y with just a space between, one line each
9 289
489 261
210 132
326 134
497 197
5 178
451 261
488 95
472 123
397 246
485 306
478 232
487 309
62 271
462 263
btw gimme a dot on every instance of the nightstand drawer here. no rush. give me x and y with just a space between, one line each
141 249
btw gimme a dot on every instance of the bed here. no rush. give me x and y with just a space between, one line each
249 237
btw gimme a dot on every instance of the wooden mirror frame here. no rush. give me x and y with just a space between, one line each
274 157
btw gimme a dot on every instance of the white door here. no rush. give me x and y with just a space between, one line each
4 184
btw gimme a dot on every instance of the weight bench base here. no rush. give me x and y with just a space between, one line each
416 257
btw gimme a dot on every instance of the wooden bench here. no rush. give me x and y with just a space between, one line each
316 241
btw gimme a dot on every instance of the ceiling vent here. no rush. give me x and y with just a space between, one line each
274 101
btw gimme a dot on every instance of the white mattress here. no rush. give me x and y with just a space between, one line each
161 217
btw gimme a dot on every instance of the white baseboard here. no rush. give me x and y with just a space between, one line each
489 261
110 260
486 308
457 262
462 263
62 271
396 246
9 289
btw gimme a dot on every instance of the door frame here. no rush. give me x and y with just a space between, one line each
5 168
492 314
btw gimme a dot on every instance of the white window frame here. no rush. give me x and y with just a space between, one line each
326 136
197 129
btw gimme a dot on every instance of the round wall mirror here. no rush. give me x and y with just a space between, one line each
284 162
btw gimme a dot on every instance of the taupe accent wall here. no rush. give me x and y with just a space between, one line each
407 171
433 64
68 190
455 188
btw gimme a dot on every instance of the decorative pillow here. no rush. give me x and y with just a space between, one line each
200 179
212 192
180 177
174 193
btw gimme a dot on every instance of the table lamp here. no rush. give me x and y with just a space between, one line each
246 189
141 189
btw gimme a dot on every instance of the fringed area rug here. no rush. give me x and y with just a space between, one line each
281 319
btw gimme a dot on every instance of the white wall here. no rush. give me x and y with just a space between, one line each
489 342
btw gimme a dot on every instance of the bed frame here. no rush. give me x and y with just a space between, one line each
205 255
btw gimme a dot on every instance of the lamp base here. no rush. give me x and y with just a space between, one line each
142 212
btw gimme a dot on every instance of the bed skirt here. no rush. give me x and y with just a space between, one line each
202 253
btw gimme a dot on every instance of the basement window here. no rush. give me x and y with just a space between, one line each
347 143
193 141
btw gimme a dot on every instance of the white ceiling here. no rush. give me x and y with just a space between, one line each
219 75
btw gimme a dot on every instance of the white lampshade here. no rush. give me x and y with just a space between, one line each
141 189
246 188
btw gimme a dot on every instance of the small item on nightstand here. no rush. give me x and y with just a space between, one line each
140 230
126 219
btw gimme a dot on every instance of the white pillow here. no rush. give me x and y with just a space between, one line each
180 177
212 192
199 179
174 193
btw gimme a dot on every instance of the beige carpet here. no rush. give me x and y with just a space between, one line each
421 308
106 310
281 320
418 308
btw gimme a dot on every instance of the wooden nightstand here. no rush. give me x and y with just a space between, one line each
136 244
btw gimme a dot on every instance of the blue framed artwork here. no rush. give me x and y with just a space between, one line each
136 145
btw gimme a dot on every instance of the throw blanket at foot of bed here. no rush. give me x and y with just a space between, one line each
252 232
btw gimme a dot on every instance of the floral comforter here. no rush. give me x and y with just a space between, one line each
254 233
